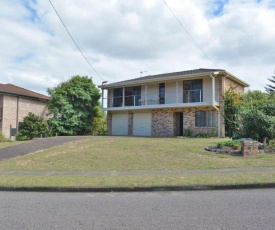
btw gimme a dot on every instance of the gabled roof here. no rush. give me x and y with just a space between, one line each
175 75
15 90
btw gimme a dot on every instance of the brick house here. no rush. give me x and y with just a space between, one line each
169 104
15 104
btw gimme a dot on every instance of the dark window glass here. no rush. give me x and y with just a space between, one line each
132 95
162 93
192 91
118 97
205 118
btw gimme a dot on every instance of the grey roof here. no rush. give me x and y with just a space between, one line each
200 71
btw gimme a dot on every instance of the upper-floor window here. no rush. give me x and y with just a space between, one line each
162 93
192 91
118 97
132 95
1 112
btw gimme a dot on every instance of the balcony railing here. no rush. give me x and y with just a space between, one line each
183 97
190 96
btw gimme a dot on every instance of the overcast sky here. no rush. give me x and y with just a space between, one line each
121 38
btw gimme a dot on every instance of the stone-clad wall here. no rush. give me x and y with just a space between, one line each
189 121
164 122
130 123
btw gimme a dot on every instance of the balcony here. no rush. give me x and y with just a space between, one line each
187 98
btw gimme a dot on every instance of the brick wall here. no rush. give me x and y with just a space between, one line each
189 121
229 83
1 104
25 106
164 122
130 123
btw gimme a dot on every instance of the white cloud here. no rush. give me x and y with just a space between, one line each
120 38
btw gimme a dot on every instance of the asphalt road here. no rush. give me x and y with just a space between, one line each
232 209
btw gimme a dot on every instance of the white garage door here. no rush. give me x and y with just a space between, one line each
120 124
142 124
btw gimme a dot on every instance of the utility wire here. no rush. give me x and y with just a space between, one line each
188 33
75 41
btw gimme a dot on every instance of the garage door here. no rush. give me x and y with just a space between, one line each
142 124
120 124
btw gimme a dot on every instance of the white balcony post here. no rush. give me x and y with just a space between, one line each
102 96
123 97
177 92
213 89
146 94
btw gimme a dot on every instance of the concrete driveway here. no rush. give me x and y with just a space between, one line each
37 145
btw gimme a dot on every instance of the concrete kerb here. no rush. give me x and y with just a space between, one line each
137 189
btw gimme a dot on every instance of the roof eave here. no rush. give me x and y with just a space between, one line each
22 95
133 82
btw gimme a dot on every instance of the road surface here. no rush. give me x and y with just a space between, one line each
232 209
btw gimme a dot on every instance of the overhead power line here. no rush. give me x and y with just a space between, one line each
186 31
75 41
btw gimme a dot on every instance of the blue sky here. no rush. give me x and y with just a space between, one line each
120 38
218 10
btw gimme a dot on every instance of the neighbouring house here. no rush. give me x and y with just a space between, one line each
170 104
15 104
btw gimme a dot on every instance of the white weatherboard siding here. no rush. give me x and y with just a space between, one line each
142 124
120 124
170 92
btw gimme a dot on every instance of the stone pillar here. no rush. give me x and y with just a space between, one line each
250 148
109 123
130 123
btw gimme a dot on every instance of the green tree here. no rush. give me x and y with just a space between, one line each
258 125
270 89
31 127
232 102
99 125
254 99
73 106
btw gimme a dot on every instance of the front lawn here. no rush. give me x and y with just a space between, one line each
131 153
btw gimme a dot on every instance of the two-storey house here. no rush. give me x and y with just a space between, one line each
169 104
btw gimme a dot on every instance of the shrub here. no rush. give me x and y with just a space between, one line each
258 125
31 127
187 133
202 135
235 144
3 139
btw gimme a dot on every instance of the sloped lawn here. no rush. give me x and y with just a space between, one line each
126 153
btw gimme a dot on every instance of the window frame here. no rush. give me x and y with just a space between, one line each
206 118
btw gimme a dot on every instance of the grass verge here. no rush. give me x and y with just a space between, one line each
140 180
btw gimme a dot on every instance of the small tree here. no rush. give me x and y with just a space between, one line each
258 125
31 127
232 104
73 106
270 89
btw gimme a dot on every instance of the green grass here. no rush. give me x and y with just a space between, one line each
144 180
7 144
126 153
